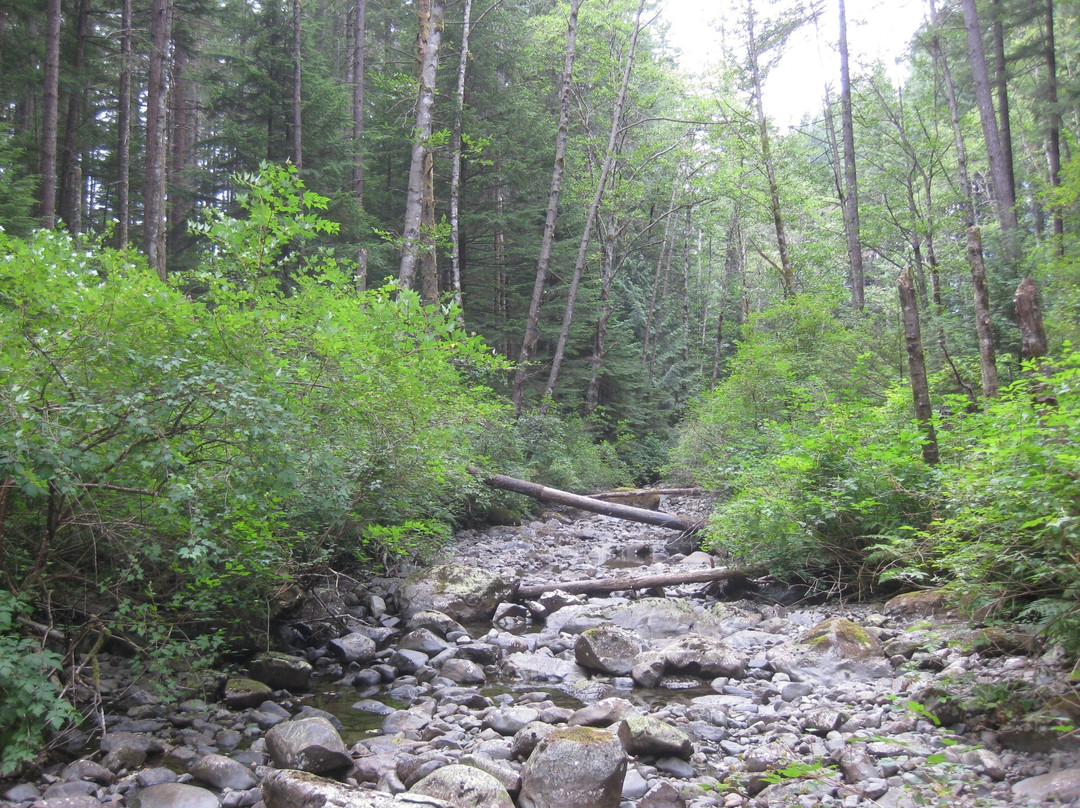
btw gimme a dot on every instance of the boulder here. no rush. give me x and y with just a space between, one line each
602 713
241 692
644 735
540 668
464 787
125 750
833 651
294 789
309 744
648 618
703 657
924 603
574 767
222 772
174 795
463 672
282 671
354 647
607 649
467 594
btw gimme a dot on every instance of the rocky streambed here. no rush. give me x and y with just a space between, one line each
445 689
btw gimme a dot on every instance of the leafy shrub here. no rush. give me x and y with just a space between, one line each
30 701
560 451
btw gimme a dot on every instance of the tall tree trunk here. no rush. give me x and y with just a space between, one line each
50 110
429 270
686 282
1003 192
920 388
156 136
980 290
1001 88
70 171
607 276
184 127
787 274
851 202
123 125
1054 125
661 263
429 14
610 156
297 97
359 57
733 259
1029 314
455 168
532 322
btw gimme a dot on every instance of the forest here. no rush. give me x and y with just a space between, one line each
274 275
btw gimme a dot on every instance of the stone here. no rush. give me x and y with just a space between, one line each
434 621
174 795
510 720
608 649
645 735
648 669
703 657
88 770
353 647
309 744
1062 786
241 692
527 738
423 640
662 795
924 603
222 772
124 750
574 767
463 672
834 651
292 789
467 594
282 671
648 618
602 713
464 787
539 668
510 778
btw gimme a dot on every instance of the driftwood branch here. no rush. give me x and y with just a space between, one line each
591 504
597 586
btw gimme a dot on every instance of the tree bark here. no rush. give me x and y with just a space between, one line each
1029 314
455 168
851 197
50 112
920 388
607 275
610 156
600 586
1054 126
545 494
156 93
1001 89
123 125
528 342
297 96
429 14
359 54
71 172
1005 199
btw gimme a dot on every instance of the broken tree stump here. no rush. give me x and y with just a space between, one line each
591 504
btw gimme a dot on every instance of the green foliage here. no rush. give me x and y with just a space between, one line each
177 459
561 452
31 705
1008 535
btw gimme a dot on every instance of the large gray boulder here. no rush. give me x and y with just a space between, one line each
645 735
297 789
223 772
607 649
466 594
703 657
174 795
464 787
648 618
575 767
308 744
353 647
833 651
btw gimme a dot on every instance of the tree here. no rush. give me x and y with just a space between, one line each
156 136
429 15
50 108
920 387
851 191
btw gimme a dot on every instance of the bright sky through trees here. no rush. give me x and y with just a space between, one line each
877 30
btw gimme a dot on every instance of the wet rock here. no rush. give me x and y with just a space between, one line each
925 603
241 692
22 792
602 713
125 750
468 594
174 795
282 671
423 640
463 672
644 735
222 772
155 776
648 669
607 649
527 738
464 787
540 668
309 744
576 767
648 618
88 770
510 720
434 621
508 777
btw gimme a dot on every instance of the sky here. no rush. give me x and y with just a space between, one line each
877 29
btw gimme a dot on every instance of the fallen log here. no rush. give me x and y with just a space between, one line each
599 586
591 504
664 492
